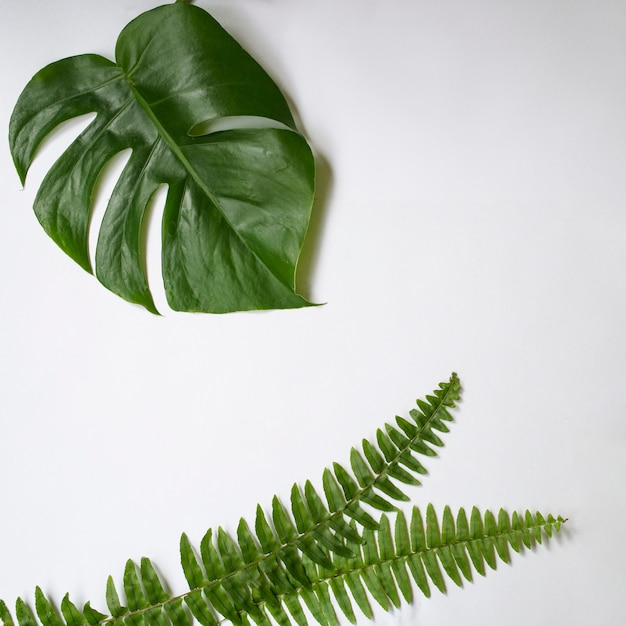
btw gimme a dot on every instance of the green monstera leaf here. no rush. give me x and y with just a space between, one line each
200 116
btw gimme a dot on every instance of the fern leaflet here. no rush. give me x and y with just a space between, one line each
327 553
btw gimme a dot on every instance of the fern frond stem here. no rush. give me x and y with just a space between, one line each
376 477
443 402
379 476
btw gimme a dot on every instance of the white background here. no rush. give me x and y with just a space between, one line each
471 217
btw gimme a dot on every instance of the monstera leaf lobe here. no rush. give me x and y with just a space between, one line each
239 196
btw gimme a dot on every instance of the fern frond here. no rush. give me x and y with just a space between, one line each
395 559
325 552
272 561
391 562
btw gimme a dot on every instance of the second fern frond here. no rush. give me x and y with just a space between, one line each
321 553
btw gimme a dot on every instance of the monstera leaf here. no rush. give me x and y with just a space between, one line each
200 116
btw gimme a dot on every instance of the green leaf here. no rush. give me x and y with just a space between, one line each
350 488
399 440
419 575
276 574
375 587
223 603
290 556
230 557
155 616
409 429
378 576
476 556
343 600
204 119
313 604
416 531
45 611
316 506
385 540
200 609
385 576
295 608
132 588
264 532
401 533
476 524
312 554
314 551
376 501
402 475
518 525
460 558
71 614
389 450
449 564
238 591
113 599
323 596
434 572
5 615
433 535
278 613
332 542
487 548
152 584
402 578
534 525
24 614
448 532
258 615
462 527
361 516
249 549
92 616
408 460
360 468
492 529
176 612
191 568
359 593
283 525
388 559
334 495
374 457
301 514
345 530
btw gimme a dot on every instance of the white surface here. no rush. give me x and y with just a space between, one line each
473 218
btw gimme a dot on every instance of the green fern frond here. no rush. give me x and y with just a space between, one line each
387 567
395 559
321 551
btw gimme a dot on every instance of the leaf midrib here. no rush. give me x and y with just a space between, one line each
176 150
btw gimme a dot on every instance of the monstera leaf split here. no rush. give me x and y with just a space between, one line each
199 116
325 553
